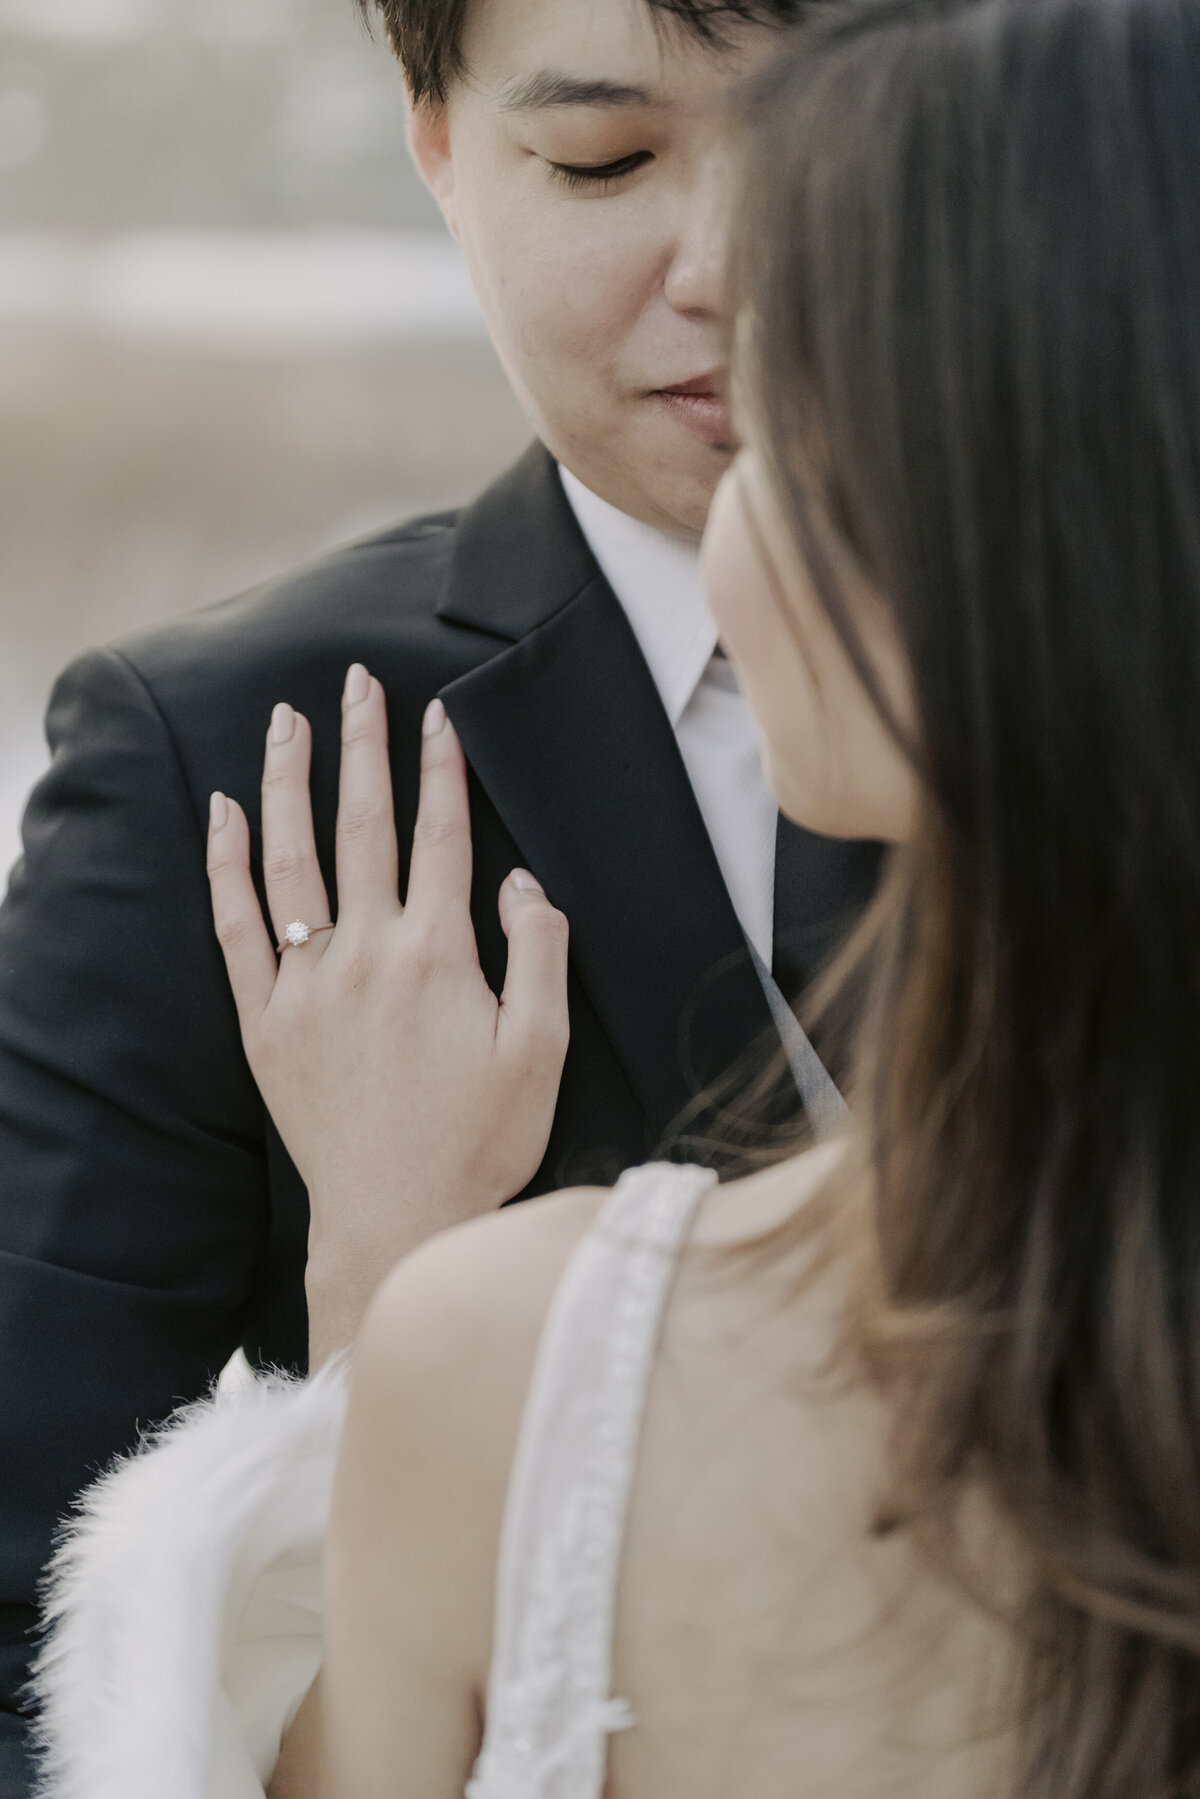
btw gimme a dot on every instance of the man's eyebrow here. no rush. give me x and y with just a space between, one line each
548 88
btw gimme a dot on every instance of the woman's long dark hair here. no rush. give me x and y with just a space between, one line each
967 279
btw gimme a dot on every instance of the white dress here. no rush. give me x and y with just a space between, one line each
185 1602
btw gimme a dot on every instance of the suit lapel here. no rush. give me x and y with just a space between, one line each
566 733
822 885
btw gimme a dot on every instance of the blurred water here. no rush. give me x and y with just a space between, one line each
261 294
232 329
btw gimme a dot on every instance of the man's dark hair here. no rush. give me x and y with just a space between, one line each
427 34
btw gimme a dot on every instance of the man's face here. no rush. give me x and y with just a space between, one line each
601 292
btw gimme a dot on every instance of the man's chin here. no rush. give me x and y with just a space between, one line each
678 506
685 500
661 474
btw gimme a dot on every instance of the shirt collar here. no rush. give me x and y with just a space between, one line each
656 578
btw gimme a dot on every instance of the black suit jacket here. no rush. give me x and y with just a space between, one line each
150 1220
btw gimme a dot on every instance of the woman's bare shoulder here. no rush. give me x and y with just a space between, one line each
744 1210
478 1291
483 1289
441 1368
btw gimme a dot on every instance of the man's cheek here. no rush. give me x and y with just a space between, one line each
552 327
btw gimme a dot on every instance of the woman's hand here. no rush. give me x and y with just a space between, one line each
408 1096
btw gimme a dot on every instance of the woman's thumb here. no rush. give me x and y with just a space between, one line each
534 1001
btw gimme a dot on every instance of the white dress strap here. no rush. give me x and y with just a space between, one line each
550 1706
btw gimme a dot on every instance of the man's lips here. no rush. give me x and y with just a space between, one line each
711 383
699 403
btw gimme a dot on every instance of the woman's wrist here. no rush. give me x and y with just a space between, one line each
347 1265
339 1283
350 1255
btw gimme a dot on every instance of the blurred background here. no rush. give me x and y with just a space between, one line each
232 329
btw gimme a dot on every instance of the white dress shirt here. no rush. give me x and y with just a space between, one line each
656 578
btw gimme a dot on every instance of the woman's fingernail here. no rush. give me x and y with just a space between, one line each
218 812
528 883
435 718
283 723
358 685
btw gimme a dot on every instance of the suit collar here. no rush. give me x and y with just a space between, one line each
565 731
519 554
656 578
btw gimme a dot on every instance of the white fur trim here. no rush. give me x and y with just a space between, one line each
184 1600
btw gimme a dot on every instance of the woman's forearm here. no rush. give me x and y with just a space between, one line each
297 1772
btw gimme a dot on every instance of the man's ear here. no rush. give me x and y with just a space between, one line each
429 145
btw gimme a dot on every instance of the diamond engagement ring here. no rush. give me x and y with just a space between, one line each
299 933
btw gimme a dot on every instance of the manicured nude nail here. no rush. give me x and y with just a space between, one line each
283 723
358 685
218 812
527 883
435 718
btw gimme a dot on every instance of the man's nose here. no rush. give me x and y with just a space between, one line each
695 279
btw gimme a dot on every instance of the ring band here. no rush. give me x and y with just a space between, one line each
299 933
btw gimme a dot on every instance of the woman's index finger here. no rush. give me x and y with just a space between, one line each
440 872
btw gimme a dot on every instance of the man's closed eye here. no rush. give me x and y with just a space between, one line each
598 176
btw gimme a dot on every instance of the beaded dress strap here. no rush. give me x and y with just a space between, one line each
550 1707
